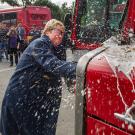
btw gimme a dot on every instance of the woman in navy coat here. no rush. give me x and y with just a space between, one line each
32 99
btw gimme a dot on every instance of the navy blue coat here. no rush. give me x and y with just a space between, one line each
32 99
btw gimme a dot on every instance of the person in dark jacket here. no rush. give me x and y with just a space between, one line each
32 99
21 32
34 33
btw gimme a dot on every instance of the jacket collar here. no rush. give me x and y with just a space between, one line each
46 38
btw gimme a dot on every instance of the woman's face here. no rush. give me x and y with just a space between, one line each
56 35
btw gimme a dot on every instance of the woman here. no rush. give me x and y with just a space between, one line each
12 43
32 99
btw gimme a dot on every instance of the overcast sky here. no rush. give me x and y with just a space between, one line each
58 2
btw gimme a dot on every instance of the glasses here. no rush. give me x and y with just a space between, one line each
60 32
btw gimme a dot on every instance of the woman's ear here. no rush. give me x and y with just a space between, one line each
47 33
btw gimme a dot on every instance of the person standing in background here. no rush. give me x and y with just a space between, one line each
21 37
34 33
12 42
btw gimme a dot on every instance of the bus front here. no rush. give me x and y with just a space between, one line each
105 83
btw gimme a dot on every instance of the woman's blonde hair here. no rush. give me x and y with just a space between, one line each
50 25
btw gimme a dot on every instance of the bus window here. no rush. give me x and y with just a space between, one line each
34 17
116 11
91 21
9 18
98 18
38 17
42 17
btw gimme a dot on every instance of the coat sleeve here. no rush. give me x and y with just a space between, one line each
46 58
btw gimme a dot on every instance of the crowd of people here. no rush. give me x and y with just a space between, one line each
13 41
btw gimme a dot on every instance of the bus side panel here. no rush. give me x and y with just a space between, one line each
103 89
38 16
20 17
96 127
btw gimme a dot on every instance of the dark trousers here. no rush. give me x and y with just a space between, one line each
13 52
22 47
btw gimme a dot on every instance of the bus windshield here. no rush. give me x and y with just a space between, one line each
98 19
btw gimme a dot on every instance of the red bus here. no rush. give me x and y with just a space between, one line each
28 16
105 78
